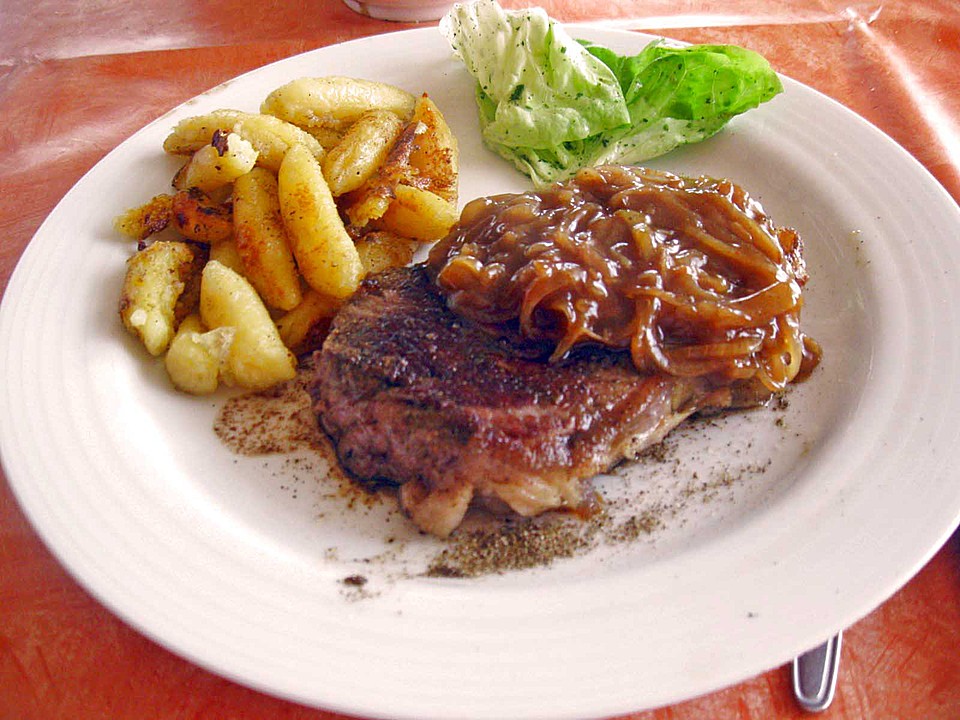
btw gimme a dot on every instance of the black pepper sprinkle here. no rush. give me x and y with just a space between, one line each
517 546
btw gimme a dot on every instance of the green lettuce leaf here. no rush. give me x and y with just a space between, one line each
681 95
537 88
552 105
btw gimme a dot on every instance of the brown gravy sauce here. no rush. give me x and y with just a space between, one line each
689 275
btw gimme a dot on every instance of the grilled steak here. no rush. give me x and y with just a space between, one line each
415 395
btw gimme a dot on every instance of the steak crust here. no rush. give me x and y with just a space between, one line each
414 395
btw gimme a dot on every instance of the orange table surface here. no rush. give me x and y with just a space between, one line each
78 78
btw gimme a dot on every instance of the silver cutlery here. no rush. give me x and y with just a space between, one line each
815 675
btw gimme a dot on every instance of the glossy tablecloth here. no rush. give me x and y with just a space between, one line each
76 79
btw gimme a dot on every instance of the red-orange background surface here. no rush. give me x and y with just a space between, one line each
77 78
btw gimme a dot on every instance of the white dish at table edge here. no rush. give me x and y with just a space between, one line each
126 483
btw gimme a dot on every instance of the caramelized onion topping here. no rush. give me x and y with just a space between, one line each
689 275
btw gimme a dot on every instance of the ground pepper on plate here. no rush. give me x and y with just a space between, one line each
515 546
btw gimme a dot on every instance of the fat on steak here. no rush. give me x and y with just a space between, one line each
414 395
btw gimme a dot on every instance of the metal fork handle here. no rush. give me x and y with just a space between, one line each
815 675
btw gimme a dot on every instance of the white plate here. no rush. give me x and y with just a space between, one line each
216 558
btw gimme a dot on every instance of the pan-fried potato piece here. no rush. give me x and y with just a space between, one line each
261 240
197 217
226 253
155 279
227 157
436 155
325 253
380 250
189 301
193 133
370 201
141 222
424 156
419 214
273 137
363 149
304 328
270 136
196 356
334 102
327 137
258 358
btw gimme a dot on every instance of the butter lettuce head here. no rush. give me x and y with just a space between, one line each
552 105
536 86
